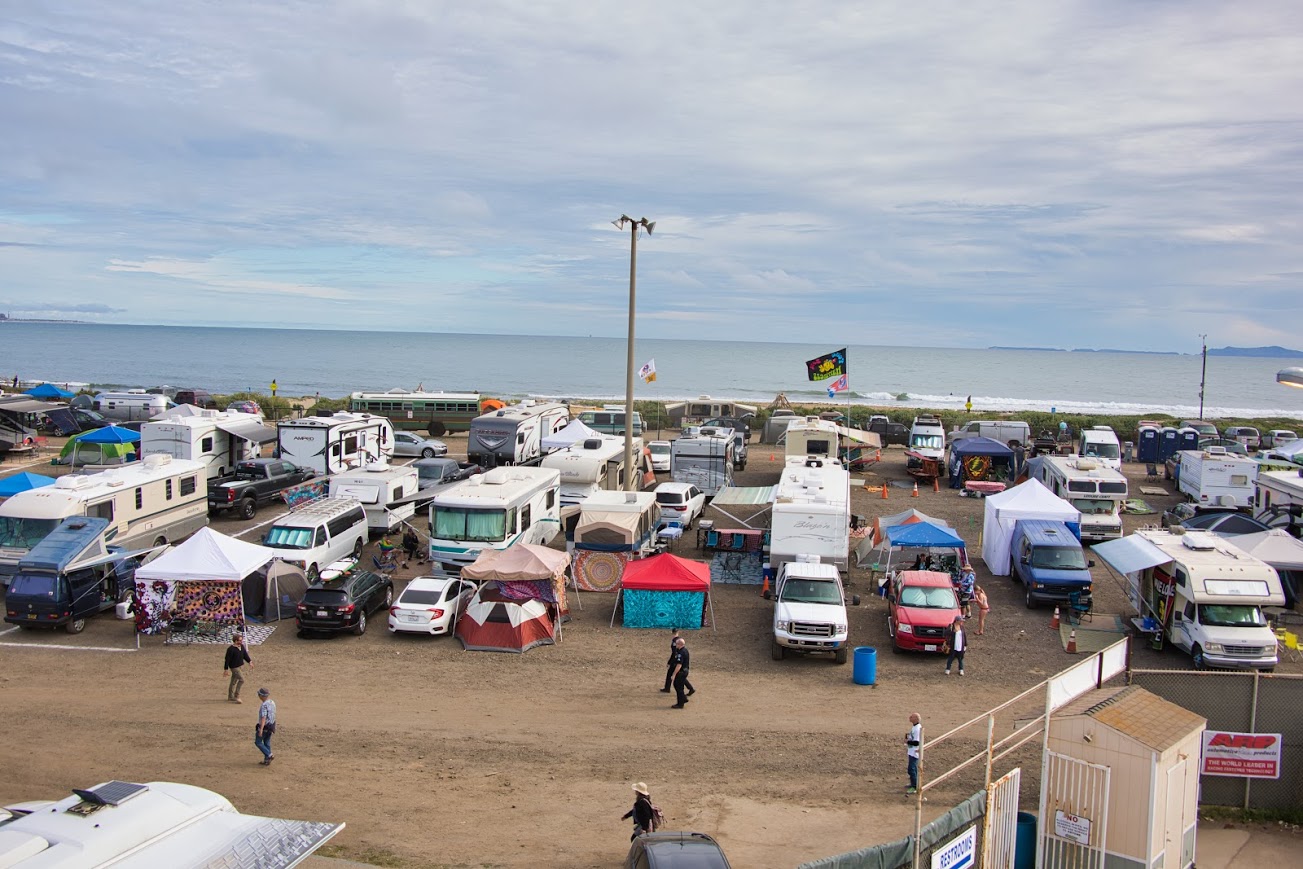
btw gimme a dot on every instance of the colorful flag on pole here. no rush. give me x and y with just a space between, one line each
831 365
838 385
648 371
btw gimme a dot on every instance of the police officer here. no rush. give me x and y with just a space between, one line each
681 658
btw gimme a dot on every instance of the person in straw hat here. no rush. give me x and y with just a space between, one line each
641 811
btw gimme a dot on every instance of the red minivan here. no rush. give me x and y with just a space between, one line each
921 605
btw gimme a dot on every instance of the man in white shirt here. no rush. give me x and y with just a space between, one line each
913 740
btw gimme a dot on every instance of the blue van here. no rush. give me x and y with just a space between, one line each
1047 558
610 421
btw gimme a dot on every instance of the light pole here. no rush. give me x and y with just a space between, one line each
1203 374
634 225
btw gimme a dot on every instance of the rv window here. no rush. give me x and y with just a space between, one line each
1239 480
551 498
524 518
1113 488
102 510
24 533
1189 610
206 445
520 437
168 489
188 485
1180 577
816 448
350 444
1081 486
1094 506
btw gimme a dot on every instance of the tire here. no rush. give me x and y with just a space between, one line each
312 574
357 549
777 652
839 656
1196 654
427 453
1029 600
160 540
360 627
437 429
247 508
76 626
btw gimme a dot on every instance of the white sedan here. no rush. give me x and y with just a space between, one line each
430 605
408 444
660 456
681 503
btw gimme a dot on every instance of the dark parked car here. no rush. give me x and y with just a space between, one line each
1231 445
1227 523
671 850
343 604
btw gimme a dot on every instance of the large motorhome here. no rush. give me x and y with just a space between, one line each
382 490
686 413
514 435
221 440
1278 497
811 436
130 405
594 465
334 443
1216 478
148 503
435 412
1097 492
493 510
811 514
704 458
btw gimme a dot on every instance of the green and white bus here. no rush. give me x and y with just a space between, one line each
435 412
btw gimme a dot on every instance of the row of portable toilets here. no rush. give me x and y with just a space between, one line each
1156 444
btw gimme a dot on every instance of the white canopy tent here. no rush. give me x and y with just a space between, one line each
574 432
1029 500
208 554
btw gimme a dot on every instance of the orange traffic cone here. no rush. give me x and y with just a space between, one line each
771 457
1054 622
915 490
764 589
884 490
936 486
1072 642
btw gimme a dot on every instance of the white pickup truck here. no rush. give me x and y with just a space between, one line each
810 609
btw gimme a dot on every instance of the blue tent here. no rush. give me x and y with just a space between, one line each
48 390
997 456
111 434
922 535
22 483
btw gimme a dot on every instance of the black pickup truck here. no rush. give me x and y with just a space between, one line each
890 432
254 483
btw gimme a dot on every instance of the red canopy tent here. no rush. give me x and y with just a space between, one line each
665 591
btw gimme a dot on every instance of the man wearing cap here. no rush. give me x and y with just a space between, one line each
641 811
236 657
913 740
266 726
680 673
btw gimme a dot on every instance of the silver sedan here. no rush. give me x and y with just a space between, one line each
408 444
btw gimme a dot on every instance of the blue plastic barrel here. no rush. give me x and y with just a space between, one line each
1024 849
866 665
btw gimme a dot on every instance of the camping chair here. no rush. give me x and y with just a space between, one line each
388 564
1080 606
1287 645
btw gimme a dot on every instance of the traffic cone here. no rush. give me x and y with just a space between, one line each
884 490
764 589
771 457
1054 622
936 486
1072 642
915 490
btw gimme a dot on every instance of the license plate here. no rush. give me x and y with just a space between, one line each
411 617
929 648
31 616
321 614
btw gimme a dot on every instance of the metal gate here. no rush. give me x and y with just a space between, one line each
1074 813
1000 834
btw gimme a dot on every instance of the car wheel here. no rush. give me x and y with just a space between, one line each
839 656
389 596
360 627
357 549
1029 600
160 540
312 574
1196 654
427 453
76 626
777 652
248 507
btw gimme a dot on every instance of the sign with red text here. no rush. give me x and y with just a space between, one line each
1242 755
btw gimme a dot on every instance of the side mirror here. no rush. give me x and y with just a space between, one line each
1090 563
1176 616
855 600
1024 559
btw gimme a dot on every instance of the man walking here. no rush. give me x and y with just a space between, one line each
236 657
957 640
680 672
669 667
266 726
913 740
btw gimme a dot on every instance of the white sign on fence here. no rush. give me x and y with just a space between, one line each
958 853
1074 828
1243 755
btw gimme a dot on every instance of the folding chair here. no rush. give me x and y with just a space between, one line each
1080 606
1287 645
384 565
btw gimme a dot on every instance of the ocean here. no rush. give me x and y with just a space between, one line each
335 363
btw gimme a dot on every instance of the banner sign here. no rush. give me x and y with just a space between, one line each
959 853
830 365
1074 828
1242 755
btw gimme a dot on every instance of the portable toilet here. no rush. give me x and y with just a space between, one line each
1147 449
1168 442
1187 438
1122 780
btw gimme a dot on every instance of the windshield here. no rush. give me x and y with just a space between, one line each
288 538
1224 615
34 585
19 533
928 598
1102 451
810 591
670 498
660 449
1095 506
1058 558
481 526
928 441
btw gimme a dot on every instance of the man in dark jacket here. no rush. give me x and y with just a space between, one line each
669 667
236 657
680 672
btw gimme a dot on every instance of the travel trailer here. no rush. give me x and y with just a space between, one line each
435 412
811 436
129 405
1278 498
687 413
594 465
381 489
1216 478
811 513
1101 444
1201 594
221 440
618 522
493 510
514 435
334 443
1097 492
148 503
703 460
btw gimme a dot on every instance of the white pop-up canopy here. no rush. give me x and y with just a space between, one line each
574 432
1029 500
210 555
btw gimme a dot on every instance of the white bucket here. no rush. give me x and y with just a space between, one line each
123 609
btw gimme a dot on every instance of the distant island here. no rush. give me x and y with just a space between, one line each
1272 352
1091 350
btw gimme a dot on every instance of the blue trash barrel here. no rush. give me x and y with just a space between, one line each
1024 849
866 665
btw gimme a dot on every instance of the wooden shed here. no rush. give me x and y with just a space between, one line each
1121 778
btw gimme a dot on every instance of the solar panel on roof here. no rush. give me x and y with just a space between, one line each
113 793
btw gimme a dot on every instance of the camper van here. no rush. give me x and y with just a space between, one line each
811 513
927 440
1008 432
148 503
1101 444
594 465
129 405
514 435
1216 478
810 436
703 460
687 413
334 443
493 510
1203 595
318 533
221 440
1097 492
618 522
378 487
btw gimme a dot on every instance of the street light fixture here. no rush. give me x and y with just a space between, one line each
623 221
1290 377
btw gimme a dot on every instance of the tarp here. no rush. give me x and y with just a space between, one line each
574 432
1130 554
504 626
111 434
980 446
249 429
63 420
208 554
1029 500
744 506
23 482
610 530
922 534
667 572
524 561
48 390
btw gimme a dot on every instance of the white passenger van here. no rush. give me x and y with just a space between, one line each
318 533
493 510
130 405
1097 492
1101 444
334 443
221 440
380 488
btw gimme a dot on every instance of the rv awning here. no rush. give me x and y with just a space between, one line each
249 430
27 405
367 493
860 436
1130 554
744 495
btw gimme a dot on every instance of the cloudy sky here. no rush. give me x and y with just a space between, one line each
1072 174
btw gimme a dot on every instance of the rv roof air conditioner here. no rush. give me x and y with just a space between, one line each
1216 451
1199 542
814 463
593 444
1086 465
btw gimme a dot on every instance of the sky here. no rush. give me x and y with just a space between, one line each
1068 174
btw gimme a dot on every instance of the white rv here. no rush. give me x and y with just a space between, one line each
1101 444
618 522
1278 494
334 443
1097 492
514 435
687 413
594 465
1216 478
221 440
703 460
129 405
381 489
811 436
1204 595
811 514
493 510
927 441
148 503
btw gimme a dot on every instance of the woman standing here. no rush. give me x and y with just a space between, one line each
983 607
641 811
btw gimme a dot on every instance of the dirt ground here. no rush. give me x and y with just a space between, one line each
438 757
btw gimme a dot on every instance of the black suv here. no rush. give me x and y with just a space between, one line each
342 604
